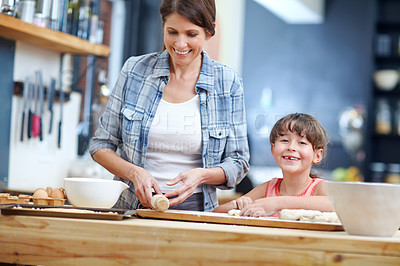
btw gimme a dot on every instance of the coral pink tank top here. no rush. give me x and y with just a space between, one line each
272 189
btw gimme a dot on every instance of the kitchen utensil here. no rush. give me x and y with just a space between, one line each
31 97
41 102
61 98
93 192
27 8
61 116
50 100
36 116
368 209
25 105
7 7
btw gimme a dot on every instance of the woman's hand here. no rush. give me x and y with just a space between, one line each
144 184
190 180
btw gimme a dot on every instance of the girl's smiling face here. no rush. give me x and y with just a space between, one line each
183 40
294 154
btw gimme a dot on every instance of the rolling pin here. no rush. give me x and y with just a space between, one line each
159 202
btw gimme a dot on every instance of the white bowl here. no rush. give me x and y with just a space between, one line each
386 79
93 192
368 209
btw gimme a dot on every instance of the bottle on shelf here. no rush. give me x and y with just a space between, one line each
73 16
393 175
383 117
397 119
94 21
377 172
83 21
383 45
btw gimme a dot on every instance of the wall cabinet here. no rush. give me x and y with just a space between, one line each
384 115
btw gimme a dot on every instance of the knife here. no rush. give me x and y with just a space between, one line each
26 95
31 94
61 115
50 101
41 101
36 117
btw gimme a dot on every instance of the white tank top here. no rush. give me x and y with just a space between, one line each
174 142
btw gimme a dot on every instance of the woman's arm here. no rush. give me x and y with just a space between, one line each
143 181
236 155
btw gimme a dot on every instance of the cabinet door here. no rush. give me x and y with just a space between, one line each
7 48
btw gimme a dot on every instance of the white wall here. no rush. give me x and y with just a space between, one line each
116 41
34 163
226 46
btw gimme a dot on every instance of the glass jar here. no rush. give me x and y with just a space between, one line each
378 172
383 117
393 175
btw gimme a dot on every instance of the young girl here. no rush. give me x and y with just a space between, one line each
298 141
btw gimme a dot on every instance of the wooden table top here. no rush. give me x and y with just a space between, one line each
56 241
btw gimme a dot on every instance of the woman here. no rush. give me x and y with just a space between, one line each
176 118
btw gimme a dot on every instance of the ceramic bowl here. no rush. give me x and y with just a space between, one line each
386 79
93 192
368 209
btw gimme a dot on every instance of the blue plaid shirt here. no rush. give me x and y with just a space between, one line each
133 103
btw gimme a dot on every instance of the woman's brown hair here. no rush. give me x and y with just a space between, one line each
200 12
304 125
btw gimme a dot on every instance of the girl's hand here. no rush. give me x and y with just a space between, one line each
190 179
144 184
261 207
241 202
253 210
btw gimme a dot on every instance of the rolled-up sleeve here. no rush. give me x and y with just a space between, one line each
235 161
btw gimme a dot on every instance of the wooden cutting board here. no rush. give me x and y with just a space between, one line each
224 218
65 211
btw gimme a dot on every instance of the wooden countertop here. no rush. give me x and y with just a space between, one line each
55 241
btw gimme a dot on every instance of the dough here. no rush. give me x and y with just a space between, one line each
295 214
234 212
160 202
308 215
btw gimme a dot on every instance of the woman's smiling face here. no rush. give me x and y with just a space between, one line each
183 40
294 154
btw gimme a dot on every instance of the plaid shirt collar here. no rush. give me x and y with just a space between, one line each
206 77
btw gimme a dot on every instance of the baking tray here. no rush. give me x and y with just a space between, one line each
66 211
224 218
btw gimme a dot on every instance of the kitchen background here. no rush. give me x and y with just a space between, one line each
323 67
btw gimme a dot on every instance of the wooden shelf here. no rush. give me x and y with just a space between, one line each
16 29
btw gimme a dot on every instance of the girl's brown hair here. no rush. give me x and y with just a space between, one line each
304 125
200 12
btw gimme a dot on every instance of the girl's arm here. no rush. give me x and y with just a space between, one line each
256 193
271 205
268 206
